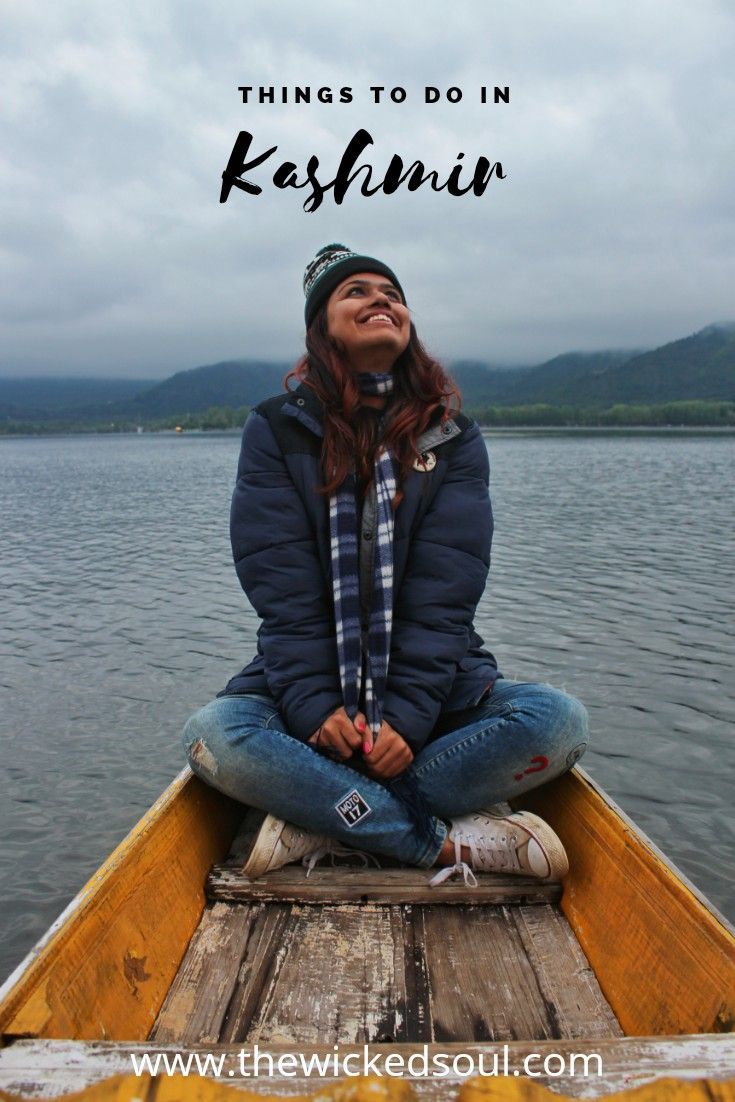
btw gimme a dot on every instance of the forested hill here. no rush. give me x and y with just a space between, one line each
233 383
700 367
697 368
43 397
557 381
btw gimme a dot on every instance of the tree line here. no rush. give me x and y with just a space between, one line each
711 414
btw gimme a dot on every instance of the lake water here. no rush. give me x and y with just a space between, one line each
612 577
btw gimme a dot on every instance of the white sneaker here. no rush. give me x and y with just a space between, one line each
279 843
519 844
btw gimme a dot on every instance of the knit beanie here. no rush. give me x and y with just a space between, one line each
329 267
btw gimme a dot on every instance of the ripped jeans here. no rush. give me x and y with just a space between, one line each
521 736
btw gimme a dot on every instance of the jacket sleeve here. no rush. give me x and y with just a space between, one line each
444 579
276 558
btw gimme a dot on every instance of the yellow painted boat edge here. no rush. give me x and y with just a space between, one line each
664 956
122 937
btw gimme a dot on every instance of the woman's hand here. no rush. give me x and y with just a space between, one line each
340 735
389 755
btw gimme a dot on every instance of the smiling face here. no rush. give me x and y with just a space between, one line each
368 320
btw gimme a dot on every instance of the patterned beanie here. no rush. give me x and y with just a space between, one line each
329 267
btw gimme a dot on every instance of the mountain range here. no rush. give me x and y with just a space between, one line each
698 367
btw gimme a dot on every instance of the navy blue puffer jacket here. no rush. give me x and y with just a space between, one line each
279 528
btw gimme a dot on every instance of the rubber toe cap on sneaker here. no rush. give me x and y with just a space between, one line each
537 860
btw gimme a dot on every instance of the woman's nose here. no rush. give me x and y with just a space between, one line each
381 299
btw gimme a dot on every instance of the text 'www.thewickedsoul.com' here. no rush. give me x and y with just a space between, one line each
421 1063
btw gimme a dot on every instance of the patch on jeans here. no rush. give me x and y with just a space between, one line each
575 754
353 808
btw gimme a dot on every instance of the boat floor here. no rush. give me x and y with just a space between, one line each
365 955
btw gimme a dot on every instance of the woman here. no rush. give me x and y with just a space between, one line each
372 716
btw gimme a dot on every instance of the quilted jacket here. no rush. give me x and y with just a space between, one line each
279 528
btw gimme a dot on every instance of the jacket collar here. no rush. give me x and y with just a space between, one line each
304 405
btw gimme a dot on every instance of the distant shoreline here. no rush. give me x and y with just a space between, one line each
678 414
487 430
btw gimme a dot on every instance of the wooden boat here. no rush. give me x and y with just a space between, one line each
169 949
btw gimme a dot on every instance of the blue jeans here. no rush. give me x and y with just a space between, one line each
521 736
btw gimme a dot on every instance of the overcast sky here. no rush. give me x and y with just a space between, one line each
615 225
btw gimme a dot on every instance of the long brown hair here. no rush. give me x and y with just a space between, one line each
421 387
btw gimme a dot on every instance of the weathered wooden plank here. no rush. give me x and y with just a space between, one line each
29 1069
482 985
196 1004
361 885
664 958
117 946
565 978
417 1020
337 980
256 970
271 972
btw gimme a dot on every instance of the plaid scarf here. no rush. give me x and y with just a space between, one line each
345 573
346 584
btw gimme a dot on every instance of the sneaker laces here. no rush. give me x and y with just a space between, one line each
332 850
468 875
483 854
459 866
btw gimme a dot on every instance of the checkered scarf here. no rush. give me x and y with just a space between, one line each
345 572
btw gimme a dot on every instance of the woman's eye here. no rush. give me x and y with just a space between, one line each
360 290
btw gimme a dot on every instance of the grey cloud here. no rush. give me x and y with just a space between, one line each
614 228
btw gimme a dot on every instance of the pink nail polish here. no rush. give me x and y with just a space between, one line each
366 747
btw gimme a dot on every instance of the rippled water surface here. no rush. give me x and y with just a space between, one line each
612 577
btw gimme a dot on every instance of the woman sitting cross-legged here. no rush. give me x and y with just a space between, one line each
372 716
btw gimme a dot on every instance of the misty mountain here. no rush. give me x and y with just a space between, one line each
231 383
40 397
700 366
556 381
480 382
